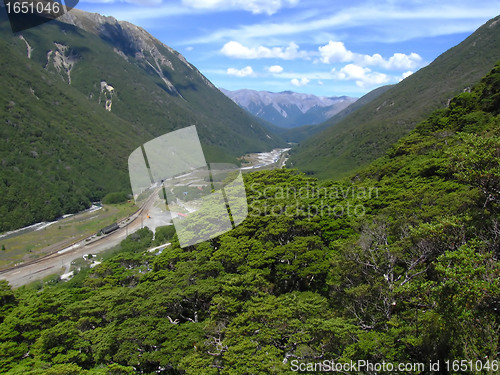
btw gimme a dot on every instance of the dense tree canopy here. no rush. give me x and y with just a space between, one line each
398 264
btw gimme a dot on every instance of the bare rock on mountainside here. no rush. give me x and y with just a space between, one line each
289 109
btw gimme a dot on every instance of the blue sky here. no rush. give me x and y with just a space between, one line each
321 47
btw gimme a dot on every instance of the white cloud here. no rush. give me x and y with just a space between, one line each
364 77
300 83
268 7
238 50
311 75
276 69
145 2
400 61
143 15
375 59
245 72
136 2
382 23
335 52
405 75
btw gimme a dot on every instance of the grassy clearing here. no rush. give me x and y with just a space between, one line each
36 244
249 160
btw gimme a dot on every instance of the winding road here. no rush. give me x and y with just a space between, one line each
59 262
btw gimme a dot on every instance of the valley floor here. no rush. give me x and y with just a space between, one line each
58 258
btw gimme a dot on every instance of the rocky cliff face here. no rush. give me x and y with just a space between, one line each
62 59
131 43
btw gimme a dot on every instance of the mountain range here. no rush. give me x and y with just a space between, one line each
289 109
298 134
368 132
80 93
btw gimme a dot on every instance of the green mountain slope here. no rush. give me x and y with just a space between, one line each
75 103
395 265
368 132
303 132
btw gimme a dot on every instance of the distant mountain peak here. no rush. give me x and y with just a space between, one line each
289 109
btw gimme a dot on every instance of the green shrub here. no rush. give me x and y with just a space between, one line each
115 197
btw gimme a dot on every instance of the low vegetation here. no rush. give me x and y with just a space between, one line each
116 197
35 244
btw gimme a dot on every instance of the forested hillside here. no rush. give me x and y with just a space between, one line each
303 132
76 101
398 263
367 133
